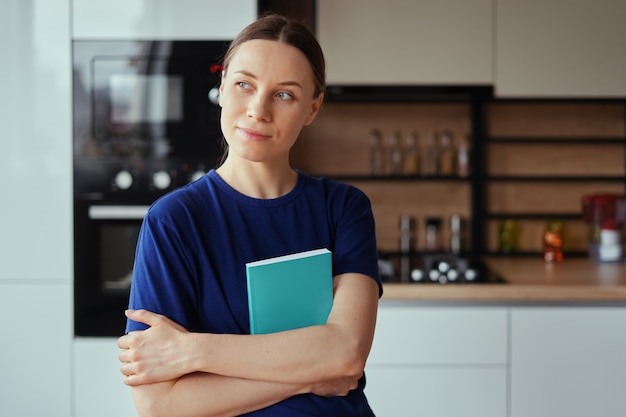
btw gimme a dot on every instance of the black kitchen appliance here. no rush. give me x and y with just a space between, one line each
436 268
146 121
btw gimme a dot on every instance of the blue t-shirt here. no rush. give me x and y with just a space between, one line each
195 241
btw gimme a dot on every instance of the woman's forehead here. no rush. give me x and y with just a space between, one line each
269 58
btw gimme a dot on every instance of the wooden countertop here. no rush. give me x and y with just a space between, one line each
528 280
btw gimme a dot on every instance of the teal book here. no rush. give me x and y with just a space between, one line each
289 292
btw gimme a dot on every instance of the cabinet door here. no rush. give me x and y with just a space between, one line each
98 387
401 42
410 391
36 138
161 19
560 48
438 361
568 362
407 333
35 353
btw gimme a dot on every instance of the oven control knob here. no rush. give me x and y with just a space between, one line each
452 275
123 180
417 275
161 180
471 275
196 175
214 96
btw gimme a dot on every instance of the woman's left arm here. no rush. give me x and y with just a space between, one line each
313 354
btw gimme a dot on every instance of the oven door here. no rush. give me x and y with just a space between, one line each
106 237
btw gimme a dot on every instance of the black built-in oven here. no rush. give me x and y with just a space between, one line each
146 120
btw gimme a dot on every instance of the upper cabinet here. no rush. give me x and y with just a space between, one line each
524 48
560 48
161 19
436 42
36 157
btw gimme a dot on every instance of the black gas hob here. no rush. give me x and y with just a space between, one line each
435 269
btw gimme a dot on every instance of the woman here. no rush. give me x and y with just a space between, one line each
196 357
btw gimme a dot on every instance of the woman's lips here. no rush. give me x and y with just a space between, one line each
253 135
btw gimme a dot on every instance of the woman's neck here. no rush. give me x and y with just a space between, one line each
258 180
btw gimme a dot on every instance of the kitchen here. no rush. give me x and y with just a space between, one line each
532 349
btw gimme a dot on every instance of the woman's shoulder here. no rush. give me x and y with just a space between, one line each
182 201
334 189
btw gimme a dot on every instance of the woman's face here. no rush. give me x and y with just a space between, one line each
266 96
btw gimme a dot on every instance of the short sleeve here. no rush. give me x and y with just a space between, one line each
355 248
163 276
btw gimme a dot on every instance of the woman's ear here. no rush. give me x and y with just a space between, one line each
315 108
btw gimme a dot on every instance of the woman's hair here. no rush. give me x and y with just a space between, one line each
279 28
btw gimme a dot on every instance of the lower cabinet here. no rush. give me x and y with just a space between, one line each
439 361
35 353
410 391
568 361
98 387
436 361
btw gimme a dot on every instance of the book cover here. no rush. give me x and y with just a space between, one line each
289 292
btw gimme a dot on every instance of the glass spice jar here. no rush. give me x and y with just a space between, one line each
447 155
508 236
553 241
411 155
395 155
433 231
431 158
376 153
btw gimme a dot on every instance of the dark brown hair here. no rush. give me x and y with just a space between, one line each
275 27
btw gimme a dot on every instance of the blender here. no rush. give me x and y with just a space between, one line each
605 215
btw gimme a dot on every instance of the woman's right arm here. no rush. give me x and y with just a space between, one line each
203 394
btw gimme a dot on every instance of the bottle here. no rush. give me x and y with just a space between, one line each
433 242
407 238
508 235
411 155
447 155
431 162
456 234
376 153
463 158
610 243
395 155
553 241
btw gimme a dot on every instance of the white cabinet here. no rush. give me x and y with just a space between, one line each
35 353
99 390
401 42
525 48
439 361
560 48
36 156
161 19
568 361
35 209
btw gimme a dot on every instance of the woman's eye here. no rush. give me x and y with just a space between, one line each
244 85
284 96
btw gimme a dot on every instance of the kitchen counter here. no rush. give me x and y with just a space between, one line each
527 280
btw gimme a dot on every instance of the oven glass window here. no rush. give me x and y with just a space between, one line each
145 98
117 253
135 98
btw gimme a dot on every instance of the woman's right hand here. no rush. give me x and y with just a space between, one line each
156 354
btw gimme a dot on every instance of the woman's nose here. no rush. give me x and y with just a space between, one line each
259 107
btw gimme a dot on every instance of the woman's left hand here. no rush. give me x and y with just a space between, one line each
156 354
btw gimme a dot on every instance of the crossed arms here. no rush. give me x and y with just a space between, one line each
176 372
